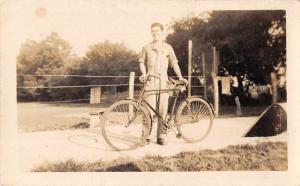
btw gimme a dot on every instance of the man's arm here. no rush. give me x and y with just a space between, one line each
142 60
143 68
174 64
177 71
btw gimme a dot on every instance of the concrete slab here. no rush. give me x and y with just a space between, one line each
89 145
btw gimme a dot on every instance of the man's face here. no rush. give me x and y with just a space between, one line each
156 33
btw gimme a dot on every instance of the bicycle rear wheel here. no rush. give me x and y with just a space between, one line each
125 125
194 119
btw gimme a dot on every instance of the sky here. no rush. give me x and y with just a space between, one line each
84 23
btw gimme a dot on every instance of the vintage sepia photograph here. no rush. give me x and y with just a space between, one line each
149 86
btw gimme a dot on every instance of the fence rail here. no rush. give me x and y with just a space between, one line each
132 86
71 86
87 86
81 86
68 75
76 75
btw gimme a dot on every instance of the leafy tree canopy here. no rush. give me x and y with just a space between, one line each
254 38
53 56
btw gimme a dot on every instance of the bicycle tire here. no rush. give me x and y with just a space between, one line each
194 117
115 119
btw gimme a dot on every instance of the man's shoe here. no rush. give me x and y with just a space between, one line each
161 141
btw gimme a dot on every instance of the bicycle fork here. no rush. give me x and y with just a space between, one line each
132 119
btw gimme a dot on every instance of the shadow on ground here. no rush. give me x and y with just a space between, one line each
127 167
265 156
82 125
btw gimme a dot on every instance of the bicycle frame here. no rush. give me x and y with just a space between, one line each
142 107
141 100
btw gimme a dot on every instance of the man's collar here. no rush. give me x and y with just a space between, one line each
155 48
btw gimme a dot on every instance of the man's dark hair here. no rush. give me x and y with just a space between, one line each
157 25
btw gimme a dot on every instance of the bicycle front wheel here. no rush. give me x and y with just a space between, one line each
125 125
194 119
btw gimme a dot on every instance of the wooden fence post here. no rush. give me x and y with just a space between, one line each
94 119
204 75
214 60
131 85
114 90
95 95
274 87
190 47
131 91
215 81
216 93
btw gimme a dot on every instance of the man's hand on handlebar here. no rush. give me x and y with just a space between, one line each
143 78
183 80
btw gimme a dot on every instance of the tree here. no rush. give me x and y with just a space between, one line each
53 56
254 38
49 56
109 59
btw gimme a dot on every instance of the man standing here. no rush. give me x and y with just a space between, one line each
155 58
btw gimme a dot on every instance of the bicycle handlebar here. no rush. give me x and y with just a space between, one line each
179 85
158 76
148 76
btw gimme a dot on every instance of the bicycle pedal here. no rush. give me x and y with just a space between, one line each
178 135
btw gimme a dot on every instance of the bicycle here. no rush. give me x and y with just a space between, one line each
127 124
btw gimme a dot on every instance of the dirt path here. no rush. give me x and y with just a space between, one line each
88 144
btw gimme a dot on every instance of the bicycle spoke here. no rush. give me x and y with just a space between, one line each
124 128
194 119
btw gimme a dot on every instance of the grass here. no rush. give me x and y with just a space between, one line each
266 156
230 111
34 117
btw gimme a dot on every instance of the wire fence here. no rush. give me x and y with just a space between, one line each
75 75
109 94
70 86
111 91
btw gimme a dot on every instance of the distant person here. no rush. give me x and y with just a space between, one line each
155 58
236 70
280 70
